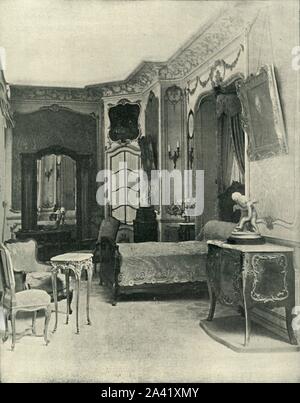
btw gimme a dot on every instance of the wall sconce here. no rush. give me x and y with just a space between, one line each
174 157
191 157
48 173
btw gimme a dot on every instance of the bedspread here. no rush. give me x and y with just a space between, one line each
162 262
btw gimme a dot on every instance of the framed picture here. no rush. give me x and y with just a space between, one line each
262 115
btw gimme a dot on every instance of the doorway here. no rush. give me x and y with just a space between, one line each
207 156
220 152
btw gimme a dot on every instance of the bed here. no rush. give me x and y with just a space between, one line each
154 266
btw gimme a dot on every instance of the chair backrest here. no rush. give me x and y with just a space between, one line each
109 228
23 255
7 272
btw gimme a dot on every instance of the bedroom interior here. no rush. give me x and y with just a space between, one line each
226 102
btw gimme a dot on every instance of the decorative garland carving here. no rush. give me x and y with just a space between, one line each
217 73
59 108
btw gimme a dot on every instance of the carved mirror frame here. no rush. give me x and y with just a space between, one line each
120 139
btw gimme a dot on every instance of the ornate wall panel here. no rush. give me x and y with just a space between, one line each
152 123
49 127
55 94
174 123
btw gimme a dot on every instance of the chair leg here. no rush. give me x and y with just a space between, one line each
34 323
13 329
5 337
70 301
47 320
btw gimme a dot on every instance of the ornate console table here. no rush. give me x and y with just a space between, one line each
251 275
76 262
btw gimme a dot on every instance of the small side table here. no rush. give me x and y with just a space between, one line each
75 262
186 231
249 276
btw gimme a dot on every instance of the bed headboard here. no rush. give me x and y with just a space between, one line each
215 229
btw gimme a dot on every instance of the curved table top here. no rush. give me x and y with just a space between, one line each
72 257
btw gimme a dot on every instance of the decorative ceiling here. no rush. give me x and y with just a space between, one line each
73 43
213 35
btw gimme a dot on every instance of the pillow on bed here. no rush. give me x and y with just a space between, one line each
215 229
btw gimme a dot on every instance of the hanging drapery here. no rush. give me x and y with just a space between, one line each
238 138
226 152
147 154
232 139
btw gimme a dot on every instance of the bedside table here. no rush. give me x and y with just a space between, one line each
186 231
249 276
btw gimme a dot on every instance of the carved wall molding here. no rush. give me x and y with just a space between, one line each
56 108
59 108
5 104
145 75
36 93
216 75
124 101
174 124
215 36
257 269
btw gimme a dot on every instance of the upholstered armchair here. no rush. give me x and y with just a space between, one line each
29 273
28 300
108 229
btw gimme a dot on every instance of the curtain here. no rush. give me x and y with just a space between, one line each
238 137
232 137
226 152
147 154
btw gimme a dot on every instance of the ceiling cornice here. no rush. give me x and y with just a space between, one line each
217 33
5 107
229 23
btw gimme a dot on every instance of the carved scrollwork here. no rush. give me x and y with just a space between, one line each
261 267
142 78
174 94
5 108
20 92
217 73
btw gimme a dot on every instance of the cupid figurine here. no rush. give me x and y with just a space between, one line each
247 230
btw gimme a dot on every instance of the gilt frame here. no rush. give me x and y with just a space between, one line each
262 117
